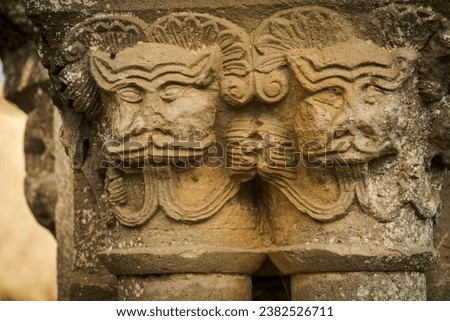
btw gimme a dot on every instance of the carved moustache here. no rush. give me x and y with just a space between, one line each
156 146
350 149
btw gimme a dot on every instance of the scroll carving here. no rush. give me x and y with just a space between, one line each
289 30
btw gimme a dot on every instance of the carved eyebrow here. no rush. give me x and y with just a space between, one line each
144 76
313 77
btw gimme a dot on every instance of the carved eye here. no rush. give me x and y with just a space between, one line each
330 97
172 91
373 94
131 94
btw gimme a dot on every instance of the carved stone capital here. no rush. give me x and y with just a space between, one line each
307 137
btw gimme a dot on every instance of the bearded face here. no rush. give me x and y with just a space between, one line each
350 114
354 129
160 102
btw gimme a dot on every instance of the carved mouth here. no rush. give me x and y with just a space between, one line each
159 148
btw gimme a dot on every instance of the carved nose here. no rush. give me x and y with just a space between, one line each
344 119
126 127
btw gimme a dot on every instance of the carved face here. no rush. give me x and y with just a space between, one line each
351 112
159 101
260 145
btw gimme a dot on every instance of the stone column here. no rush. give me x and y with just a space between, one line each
206 140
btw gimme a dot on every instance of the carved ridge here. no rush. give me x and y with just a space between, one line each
188 213
325 212
131 218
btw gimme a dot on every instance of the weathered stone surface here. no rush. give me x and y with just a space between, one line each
361 286
208 139
182 260
185 287
438 277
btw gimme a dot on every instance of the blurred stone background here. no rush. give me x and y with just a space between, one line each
27 250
